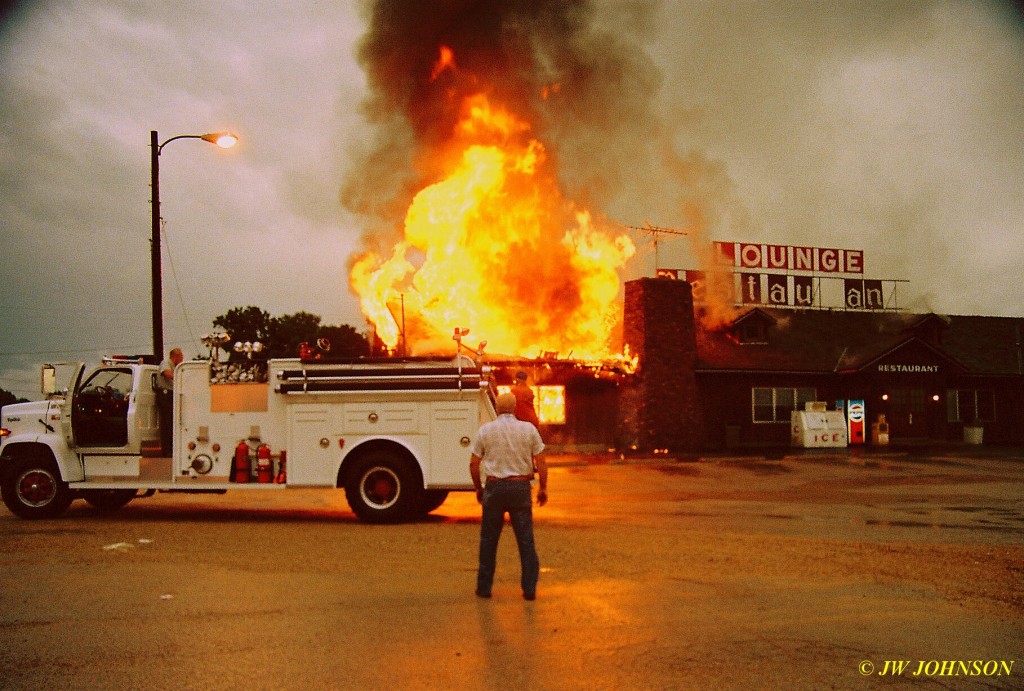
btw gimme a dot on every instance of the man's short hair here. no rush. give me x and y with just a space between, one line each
506 403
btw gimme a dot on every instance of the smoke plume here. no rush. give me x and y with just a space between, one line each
576 72
582 87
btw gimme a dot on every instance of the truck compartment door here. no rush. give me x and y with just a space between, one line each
313 453
143 411
453 425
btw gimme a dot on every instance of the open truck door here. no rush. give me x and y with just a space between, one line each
68 408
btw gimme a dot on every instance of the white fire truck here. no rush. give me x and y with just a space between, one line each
395 434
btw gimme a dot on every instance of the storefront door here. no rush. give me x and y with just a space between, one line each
908 414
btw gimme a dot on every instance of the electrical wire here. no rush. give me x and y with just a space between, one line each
177 284
74 351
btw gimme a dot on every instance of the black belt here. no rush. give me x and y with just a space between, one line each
513 478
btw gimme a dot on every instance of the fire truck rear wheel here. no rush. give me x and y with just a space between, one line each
384 487
33 489
108 499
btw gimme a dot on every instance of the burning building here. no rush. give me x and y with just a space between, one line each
480 213
483 232
502 133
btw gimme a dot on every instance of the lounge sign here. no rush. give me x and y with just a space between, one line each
746 255
779 290
786 276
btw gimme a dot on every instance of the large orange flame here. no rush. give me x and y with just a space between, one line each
494 247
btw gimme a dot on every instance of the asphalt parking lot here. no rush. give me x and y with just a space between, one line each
830 570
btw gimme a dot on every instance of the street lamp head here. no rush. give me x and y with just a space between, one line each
224 140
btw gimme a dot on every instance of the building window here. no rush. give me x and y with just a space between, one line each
753 333
775 404
968 405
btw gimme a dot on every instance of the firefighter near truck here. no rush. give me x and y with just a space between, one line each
393 433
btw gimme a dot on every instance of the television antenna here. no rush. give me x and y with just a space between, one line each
654 231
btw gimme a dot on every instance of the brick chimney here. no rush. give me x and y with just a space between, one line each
658 407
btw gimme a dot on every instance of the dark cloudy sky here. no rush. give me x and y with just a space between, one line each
892 127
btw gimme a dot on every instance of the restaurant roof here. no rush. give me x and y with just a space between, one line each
820 341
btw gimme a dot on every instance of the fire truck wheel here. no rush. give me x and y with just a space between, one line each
108 499
384 487
432 499
33 489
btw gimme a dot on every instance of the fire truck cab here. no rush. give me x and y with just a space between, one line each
394 434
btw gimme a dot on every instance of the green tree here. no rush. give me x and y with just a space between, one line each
287 332
6 398
345 341
281 336
244 324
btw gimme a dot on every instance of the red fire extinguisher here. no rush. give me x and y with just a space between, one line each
281 476
264 464
242 467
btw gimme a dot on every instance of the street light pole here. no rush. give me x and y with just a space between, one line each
225 140
154 248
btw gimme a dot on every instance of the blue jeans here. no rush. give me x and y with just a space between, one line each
513 497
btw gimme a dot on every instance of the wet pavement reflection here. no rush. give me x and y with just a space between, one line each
726 572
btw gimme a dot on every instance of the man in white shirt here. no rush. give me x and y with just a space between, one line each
506 452
164 400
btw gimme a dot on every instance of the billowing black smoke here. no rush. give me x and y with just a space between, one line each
576 71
